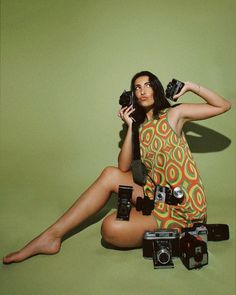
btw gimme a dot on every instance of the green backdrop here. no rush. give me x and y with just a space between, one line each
63 66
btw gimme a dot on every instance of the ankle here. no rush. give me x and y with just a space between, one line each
53 233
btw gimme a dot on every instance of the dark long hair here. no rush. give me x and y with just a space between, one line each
160 101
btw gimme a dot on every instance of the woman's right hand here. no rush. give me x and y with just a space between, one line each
125 115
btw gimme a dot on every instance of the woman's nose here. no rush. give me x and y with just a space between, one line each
142 90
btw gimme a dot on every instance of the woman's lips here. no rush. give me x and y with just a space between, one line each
143 98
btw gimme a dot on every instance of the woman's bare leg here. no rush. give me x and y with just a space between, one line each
127 234
89 203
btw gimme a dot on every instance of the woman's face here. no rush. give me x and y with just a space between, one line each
144 92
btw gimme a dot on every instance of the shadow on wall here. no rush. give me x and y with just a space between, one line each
204 140
201 139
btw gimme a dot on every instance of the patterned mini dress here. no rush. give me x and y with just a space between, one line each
169 162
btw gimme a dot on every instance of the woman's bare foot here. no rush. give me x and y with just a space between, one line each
43 244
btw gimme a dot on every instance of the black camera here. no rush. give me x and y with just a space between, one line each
173 88
169 196
217 232
124 202
126 99
161 246
145 205
210 232
193 251
190 245
197 230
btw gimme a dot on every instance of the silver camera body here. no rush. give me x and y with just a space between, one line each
170 196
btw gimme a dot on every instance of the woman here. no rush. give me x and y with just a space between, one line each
167 158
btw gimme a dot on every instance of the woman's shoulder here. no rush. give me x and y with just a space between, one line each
174 108
166 111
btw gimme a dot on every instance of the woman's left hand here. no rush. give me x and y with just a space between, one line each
188 86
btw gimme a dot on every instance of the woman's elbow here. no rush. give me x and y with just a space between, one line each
226 107
123 168
229 106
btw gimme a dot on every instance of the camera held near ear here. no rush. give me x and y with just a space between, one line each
168 195
173 88
124 202
126 99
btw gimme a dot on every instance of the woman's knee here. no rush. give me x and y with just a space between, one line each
111 176
110 172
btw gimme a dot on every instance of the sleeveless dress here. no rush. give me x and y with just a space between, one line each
169 162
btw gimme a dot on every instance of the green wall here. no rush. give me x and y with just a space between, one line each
64 65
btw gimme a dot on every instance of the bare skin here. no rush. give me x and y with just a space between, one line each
117 233
120 233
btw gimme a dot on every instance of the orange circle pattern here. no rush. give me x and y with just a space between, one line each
169 161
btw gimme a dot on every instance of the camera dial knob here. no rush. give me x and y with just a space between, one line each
178 192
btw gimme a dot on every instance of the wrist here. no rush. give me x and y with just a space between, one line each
193 87
129 124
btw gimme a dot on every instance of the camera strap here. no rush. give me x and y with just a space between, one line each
137 167
136 143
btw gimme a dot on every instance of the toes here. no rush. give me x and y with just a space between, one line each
9 258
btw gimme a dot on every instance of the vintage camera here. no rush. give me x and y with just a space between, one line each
161 246
190 245
124 202
145 205
217 232
197 230
169 196
126 99
210 232
193 251
173 88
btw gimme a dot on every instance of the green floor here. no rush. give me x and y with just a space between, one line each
84 266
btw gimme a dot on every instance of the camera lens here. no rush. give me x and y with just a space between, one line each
198 254
163 256
159 196
124 209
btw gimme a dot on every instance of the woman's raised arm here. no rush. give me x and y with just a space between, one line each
125 155
214 104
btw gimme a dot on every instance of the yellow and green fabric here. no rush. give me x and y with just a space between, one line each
169 162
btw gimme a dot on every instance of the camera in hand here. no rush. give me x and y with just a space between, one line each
145 205
168 195
164 244
126 99
173 88
124 202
